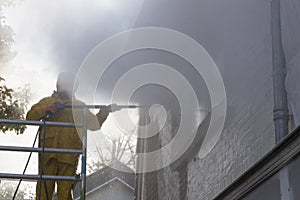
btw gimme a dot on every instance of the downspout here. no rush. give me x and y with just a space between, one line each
140 176
141 162
279 73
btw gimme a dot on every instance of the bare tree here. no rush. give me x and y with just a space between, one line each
7 190
121 148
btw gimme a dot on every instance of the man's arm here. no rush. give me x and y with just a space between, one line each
95 121
38 111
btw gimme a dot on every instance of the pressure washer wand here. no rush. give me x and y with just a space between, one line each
111 108
115 107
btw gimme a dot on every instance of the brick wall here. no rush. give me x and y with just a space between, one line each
241 48
248 133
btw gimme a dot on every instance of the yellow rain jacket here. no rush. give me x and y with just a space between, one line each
64 137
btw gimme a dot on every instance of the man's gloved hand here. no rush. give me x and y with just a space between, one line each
102 114
105 110
59 105
53 108
113 107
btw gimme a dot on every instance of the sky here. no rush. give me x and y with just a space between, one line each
55 36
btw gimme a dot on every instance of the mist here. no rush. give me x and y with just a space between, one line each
51 36
235 34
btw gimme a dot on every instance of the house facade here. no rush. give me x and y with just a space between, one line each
115 181
239 37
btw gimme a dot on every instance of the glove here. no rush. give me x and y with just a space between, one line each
59 105
113 107
53 108
103 114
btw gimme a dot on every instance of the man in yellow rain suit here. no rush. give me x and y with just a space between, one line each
61 137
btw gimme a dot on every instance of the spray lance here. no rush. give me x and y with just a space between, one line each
110 108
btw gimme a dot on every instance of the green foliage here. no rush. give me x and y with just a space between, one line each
23 95
6 3
6 36
10 108
6 40
12 104
7 190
